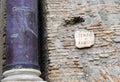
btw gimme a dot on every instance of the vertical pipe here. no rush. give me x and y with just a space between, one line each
21 41
21 34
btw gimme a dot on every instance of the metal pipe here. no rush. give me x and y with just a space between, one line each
21 41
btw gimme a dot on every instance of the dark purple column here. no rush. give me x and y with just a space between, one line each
22 35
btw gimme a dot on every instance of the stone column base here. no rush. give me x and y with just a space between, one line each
22 75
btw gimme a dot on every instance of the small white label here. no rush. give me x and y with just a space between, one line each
84 38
